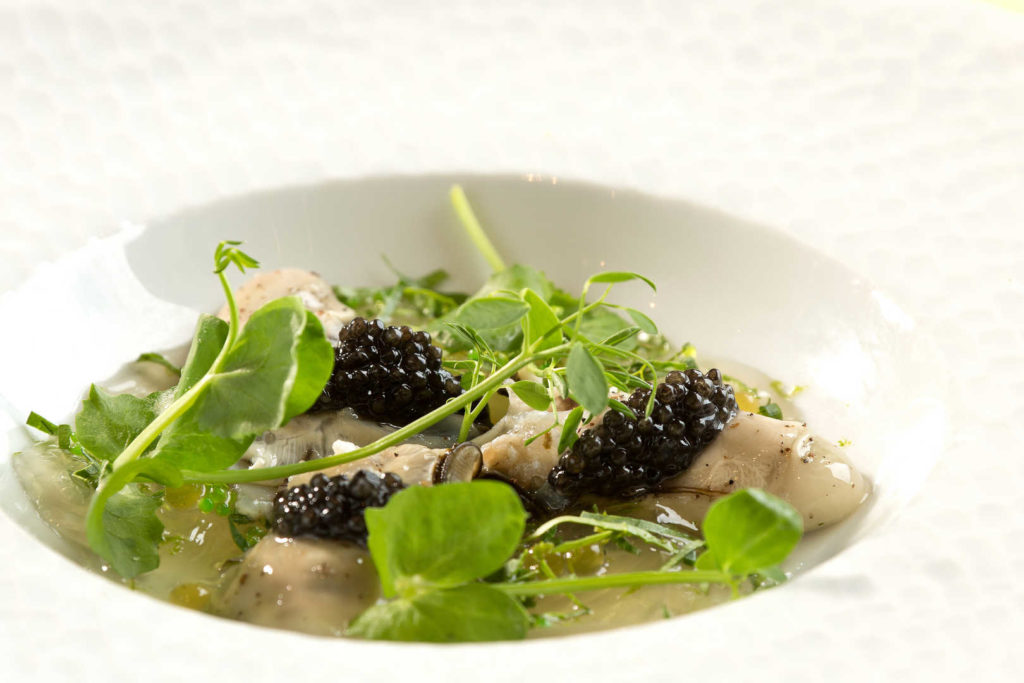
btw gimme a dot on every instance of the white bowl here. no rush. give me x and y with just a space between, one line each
737 290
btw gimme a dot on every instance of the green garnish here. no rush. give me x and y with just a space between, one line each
410 300
236 384
433 567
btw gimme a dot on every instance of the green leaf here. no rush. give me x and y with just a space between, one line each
771 409
107 423
470 613
421 537
159 360
257 388
541 319
131 531
659 535
604 323
314 358
642 321
207 341
613 277
620 407
516 278
496 319
492 312
749 531
621 337
498 323
469 337
533 394
569 435
586 379
249 392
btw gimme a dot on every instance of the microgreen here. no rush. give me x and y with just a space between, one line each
568 436
414 545
428 557
437 572
519 319
532 394
749 531
68 441
236 384
107 423
410 300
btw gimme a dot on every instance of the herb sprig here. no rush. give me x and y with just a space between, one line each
236 384
437 573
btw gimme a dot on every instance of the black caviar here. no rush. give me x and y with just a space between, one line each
387 373
333 507
627 456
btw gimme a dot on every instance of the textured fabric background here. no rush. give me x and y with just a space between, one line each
887 134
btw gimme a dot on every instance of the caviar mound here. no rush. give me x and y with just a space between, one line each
386 373
333 507
628 456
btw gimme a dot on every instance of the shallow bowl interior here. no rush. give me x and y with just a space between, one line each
737 290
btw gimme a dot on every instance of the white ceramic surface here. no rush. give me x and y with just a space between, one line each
888 135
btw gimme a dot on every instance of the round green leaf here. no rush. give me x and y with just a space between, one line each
444 535
750 530
532 394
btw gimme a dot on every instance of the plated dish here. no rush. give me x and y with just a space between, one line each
837 329
315 460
